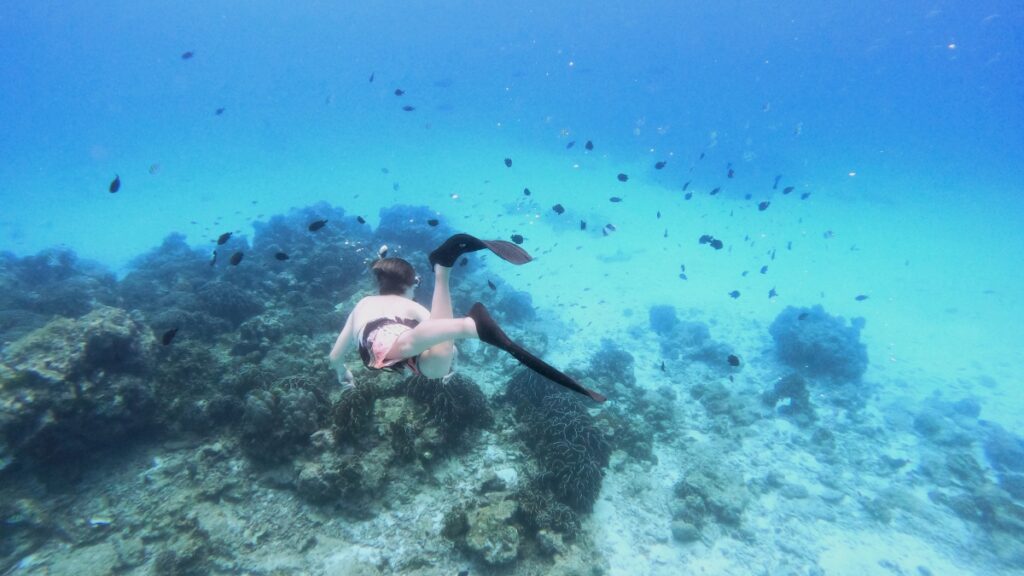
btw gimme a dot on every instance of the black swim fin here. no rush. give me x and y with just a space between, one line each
489 331
449 252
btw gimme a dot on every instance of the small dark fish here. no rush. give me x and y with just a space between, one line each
615 199
716 190
395 186
583 224
187 55
281 256
558 208
805 195
372 74
763 206
773 254
517 238
213 258
665 235
663 366
610 227
622 177
744 273
385 170
789 245
115 185
731 173
705 238
716 244
218 111
659 214
701 156
464 261
236 258
734 360
775 184
314 226
570 144
802 316
223 238
659 164
734 294
787 189
687 185
491 285
408 108
861 297
399 91
508 162
772 293
682 276
764 269
168 336
688 196
360 219
526 191
433 222
682 267
589 145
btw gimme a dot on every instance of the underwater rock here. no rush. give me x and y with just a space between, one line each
812 341
706 494
684 532
75 384
663 319
683 340
455 406
792 392
491 534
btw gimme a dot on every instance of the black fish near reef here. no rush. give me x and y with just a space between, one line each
223 238
491 285
168 336
659 214
281 256
803 316
408 108
518 238
861 297
705 238
717 244
187 55
615 199
622 177
583 224
787 189
236 258
589 145
688 196
733 360
570 144
526 191
775 184
115 185
659 164
734 294
360 219
764 269
558 208
399 91
805 195
314 226
663 366
218 111
372 75
772 293
686 185
433 222
508 162
763 206
715 191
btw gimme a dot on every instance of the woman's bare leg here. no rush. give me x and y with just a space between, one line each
434 339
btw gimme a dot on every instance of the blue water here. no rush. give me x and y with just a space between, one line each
902 121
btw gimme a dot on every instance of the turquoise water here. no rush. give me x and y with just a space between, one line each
902 125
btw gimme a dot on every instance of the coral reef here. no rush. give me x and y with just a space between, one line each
816 343
571 450
706 494
454 406
279 418
663 319
687 341
75 384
